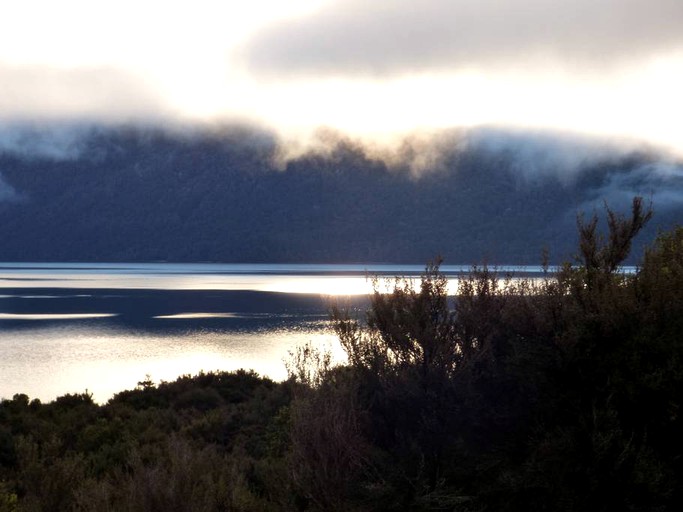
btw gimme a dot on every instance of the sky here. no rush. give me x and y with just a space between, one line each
596 67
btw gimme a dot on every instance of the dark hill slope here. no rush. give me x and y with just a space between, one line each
143 195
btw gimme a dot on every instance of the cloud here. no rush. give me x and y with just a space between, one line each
51 140
621 169
534 154
660 180
393 37
51 92
605 169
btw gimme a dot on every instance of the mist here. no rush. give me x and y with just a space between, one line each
37 140
528 154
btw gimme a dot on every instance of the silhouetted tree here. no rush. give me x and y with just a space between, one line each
515 394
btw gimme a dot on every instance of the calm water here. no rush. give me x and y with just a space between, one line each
65 328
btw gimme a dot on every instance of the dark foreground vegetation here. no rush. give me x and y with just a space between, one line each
563 394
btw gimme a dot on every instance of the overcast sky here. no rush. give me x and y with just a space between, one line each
606 67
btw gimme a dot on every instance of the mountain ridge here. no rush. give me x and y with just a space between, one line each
143 194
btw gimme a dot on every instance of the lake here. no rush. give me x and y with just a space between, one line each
68 328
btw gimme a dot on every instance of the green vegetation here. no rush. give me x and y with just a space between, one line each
559 394
210 442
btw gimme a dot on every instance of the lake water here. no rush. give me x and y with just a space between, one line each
67 328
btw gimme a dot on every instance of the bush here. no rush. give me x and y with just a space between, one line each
560 393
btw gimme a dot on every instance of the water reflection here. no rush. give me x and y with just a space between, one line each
189 316
306 279
46 363
68 327
327 285
54 316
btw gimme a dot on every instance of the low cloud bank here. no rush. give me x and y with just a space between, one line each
618 169
54 141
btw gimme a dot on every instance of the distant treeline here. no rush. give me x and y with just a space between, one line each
562 394
148 195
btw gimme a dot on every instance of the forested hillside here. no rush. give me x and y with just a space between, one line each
144 194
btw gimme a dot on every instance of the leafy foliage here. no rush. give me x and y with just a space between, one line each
560 393
199 443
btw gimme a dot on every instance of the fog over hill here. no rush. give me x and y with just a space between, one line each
239 194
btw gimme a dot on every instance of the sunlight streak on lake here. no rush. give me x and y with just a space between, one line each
69 360
310 279
55 316
65 327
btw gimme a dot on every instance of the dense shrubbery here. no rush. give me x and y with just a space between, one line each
557 394
210 442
